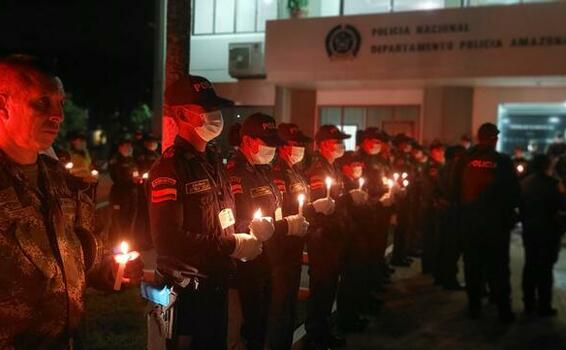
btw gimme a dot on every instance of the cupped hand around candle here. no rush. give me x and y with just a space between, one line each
262 228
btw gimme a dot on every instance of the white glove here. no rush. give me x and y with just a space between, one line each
324 206
359 197
262 228
297 224
248 247
386 200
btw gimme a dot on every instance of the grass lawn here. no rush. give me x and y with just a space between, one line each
113 321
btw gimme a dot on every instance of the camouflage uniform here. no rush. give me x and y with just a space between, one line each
47 253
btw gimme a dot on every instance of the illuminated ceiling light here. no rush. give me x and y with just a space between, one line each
554 120
428 5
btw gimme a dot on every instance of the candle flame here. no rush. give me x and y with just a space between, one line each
405 183
145 176
390 183
396 176
124 247
69 165
136 173
361 181
301 198
258 214
404 176
328 181
520 168
385 180
94 172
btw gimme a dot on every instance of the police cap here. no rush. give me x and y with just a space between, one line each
291 132
195 90
262 126
373 133
330 132
488 131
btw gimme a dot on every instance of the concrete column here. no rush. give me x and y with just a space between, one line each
447 113
296 106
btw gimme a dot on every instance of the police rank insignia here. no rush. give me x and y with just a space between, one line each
198 186
343 42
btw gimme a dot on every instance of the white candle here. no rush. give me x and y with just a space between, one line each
396 177
69 165
301 199
361 182
122 259
328 181
404 176
390 184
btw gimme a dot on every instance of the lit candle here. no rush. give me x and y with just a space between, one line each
69 165
385 180
361 182
301 199
122 259
328 181
405 183
145 176
258 214
390 184
396 177
520 168
404 176
94 172
135 174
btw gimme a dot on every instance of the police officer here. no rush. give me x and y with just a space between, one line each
377 220
326 238
448 224
126 179
287 260
488 193
48 248
148 153
353 292
254 190
79 155
192 216
542 198
402 163
429 204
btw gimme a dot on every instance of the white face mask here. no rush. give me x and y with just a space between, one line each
357 172
297 154
212 124
375 149
339 150
264 155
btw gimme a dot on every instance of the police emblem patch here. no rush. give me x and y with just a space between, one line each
343 42
163 181
260 191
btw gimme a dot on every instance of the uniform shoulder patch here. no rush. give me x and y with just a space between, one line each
164 194
163 181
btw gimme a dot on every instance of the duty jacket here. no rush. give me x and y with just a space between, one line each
192 210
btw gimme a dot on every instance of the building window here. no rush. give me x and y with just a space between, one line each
232 16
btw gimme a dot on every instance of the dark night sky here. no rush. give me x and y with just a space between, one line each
103 49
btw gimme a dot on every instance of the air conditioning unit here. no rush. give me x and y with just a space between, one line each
245 60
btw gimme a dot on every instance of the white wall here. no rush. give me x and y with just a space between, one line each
248 92
487 100
369 97
209 54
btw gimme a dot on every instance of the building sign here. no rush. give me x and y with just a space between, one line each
526 40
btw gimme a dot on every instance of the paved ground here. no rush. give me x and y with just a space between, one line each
421 316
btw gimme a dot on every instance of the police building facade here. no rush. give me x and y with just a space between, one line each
430 69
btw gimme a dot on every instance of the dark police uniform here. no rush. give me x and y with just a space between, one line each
324 244
403 163
144 160
254 189
488 192
429 203
192 220
123 197
541 202
287 259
